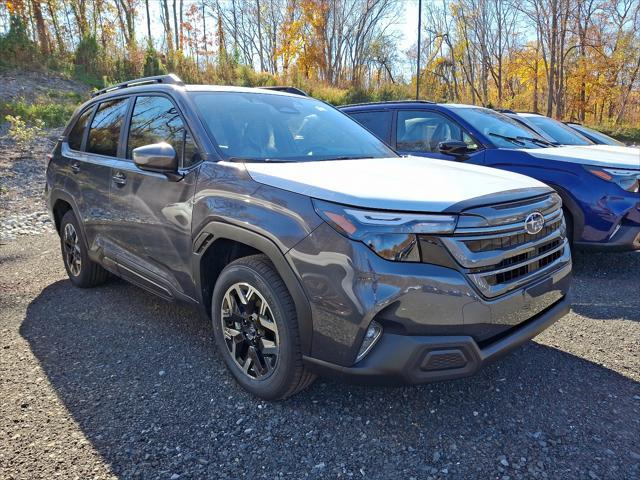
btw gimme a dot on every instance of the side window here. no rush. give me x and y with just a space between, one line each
378 123
105 128
77 132
155 119
423 131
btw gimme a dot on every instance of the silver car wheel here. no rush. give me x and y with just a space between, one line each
250 331
72 255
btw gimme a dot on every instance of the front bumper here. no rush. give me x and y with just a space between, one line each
401 359
612 222
350 286
626 238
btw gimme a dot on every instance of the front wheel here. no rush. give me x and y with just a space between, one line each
255 328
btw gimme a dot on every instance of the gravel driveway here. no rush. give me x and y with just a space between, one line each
113 382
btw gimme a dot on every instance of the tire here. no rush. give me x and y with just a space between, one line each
82 271
251 325
568 219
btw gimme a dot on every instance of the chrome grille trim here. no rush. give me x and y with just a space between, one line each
510 228
495 290
470 259
500 257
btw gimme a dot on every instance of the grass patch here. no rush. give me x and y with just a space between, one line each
628 135
52 114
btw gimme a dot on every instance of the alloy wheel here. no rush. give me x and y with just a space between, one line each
72 249
250 331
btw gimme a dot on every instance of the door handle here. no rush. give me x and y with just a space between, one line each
119 179
75 167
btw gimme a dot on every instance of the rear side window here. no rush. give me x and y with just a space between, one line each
156 119
77 132
105 128
378 123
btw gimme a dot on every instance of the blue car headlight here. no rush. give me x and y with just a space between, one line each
628 180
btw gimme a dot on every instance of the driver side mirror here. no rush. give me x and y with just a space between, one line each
156 157
453 147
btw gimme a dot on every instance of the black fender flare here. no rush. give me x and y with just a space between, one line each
57 194
218 230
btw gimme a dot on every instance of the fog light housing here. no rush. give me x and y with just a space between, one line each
370 339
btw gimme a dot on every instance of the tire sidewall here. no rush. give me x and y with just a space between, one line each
273 386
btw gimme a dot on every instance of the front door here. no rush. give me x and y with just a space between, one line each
153 210
419 132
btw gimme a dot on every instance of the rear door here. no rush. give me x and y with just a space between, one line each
153 210
419 132
91 146
378 122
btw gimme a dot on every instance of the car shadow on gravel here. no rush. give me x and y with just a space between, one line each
606 285
143 380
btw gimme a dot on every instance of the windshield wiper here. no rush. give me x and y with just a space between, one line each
347 157
257 160
539 141
510 139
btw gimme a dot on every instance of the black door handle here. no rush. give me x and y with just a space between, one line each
119 179
75 167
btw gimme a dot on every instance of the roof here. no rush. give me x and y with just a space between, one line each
386 103
172 81
392 103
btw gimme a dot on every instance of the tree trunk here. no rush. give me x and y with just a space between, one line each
175 26
149 38
260 48
43 36
56 26
167 25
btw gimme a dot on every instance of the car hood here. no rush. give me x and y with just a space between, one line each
597 155
406 184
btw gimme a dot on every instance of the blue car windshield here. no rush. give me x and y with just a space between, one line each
601 137
249 126
560 132
501 130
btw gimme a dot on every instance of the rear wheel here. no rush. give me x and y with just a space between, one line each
256 330
82 271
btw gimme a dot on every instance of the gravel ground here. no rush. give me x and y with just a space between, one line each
114 382
22 178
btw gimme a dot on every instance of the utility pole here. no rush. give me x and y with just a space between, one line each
418 69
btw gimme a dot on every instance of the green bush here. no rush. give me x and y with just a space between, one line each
153 63
50 114
24 134
88 67
16 49
629 135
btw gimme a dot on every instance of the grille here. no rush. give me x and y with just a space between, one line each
499 255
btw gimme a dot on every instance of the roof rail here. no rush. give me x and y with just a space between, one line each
294 90
387 102
172 79
504 110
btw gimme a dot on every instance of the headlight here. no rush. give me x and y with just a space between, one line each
628 180
392 235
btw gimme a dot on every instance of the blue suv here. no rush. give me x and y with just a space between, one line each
599 184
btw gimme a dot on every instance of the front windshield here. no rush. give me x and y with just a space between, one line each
266 127
601 137
560 133
501 130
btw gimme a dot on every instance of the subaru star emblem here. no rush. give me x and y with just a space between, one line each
534 223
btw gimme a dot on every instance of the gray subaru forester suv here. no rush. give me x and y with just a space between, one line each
313 247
